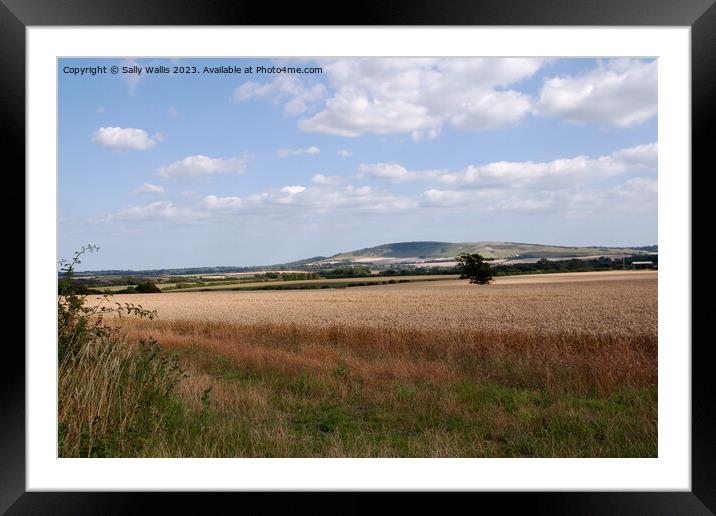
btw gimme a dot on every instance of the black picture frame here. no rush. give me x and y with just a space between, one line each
17 15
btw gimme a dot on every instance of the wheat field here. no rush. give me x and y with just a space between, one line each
610 303
551 365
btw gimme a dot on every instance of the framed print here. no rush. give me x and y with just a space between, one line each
417 250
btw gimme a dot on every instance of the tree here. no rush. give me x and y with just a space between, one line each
147 287
475 267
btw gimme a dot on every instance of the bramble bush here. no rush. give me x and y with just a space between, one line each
114 396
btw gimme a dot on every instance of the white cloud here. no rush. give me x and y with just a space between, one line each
620 92
557 173
394 172
118 138
284 153
541 202
641 192
412 96
435 197
296 96
200 166
160 210
351 115
645 155
318 199
213 202
419 96
570 186
343 153
360 198
148 188
321 179
525 174
635 195
293 190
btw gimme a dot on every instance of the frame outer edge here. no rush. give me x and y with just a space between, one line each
12 366
12 103
371 12
703 87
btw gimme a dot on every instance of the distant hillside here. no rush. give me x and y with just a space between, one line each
415 253
428 250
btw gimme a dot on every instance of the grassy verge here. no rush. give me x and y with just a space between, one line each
301 392
302 415
116 399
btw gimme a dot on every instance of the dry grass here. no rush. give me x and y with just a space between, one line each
112 395
577 362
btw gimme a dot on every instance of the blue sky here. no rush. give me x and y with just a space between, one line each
200 169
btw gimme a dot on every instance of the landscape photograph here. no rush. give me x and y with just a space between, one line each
357 257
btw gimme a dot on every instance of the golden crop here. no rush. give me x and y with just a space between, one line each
595 303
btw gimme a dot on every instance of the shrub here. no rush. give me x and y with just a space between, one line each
112 394
147 288
347 272
78 323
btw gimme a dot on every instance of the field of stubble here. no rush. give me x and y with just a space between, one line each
561 365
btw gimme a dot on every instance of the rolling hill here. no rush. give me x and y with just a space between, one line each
420 254
498 250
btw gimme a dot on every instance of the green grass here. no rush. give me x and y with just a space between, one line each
318 283
303 416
